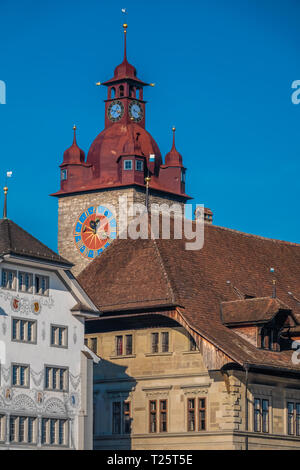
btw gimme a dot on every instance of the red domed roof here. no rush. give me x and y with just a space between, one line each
173 158
121 139
74 154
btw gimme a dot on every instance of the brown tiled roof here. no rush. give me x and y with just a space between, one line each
16 241
258 310
145 272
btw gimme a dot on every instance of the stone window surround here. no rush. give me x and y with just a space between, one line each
263 392
64 346
27 366
51 366
24 341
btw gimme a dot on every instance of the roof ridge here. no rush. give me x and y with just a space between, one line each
260 237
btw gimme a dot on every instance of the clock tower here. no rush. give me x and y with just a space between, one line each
121 161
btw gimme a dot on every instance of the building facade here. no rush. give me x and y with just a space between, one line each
196 346
46 370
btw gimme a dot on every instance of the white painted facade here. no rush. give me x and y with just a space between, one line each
47 418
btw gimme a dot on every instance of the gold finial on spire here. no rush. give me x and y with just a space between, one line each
173 128
125 26
74 127
5 189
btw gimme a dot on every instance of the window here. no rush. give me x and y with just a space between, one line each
116 415
25 282
8 279
121 419
59 336
153 416
163 427
94 344
155 342
127 164
191 414
139 165
128 339
54 431
121 91
156 425
202 414
126 417
269 339
261 415
119 345
160 342
64 175
165 342
183 176
41 285
196 417
123 345
24 330
192 344
20 375
56 378
293 418
23 429
2 428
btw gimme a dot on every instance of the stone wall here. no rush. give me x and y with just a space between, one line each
71 207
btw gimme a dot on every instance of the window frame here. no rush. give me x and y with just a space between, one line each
27 375
258 415
44 293
153 413
66 334
17 417
141 163
196 410
46 431
65 379
30 288
8 271
24 341
124 340
64 175
131 165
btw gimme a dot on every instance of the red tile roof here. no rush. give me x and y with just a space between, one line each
146 273
258 310
16 241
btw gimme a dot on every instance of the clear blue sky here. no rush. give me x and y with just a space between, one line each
223 71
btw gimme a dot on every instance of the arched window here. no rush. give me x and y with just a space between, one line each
138 92
132 92
112 93
121 90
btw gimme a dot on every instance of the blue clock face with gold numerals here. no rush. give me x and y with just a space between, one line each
94 231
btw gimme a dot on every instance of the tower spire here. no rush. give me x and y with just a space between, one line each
5 189
125 26
173 130
74 139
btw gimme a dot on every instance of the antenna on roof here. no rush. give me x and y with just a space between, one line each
274 295
147 181
5 189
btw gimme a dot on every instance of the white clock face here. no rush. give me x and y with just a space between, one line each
115 111
136 111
